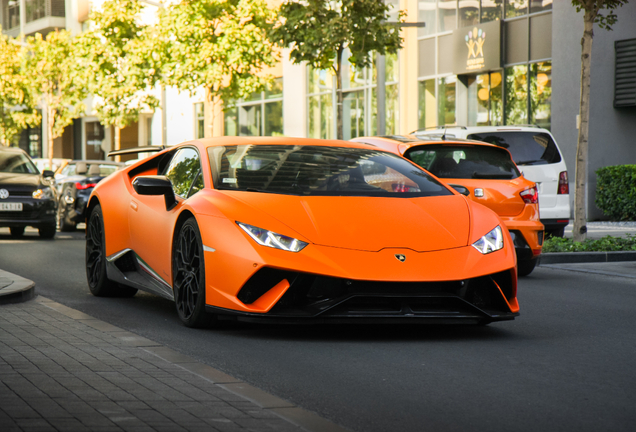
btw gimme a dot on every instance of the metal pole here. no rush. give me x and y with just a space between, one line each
381 89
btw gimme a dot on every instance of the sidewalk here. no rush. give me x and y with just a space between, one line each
61 369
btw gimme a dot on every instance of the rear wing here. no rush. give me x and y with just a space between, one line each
135 150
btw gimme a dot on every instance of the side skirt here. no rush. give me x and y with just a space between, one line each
127 268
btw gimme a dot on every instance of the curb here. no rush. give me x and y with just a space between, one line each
15 289
585 257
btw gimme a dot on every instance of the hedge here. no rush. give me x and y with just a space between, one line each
616 192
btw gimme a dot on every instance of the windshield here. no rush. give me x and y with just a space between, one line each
526 148
11 162
464 161
319 171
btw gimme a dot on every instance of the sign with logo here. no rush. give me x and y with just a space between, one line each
477 48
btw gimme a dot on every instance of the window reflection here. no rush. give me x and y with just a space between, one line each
260 114
516 95
447 10
426 13
468 12
515 8
541 94
490 10
540 5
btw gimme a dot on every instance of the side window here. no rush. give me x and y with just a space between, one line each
183 170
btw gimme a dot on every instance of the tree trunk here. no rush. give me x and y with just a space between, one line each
50 113
580 209
339 96
117 142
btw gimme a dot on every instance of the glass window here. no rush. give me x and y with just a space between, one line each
516 91
35 9
515 8
16 162
259 115
465 162
496 100
353 114
447 15
479 100
426 13
427 104
526 148
199 120
197 185
490 10
319 170
394 10
446 94
468 12
540 5
11 14
182 170
320 104
541 94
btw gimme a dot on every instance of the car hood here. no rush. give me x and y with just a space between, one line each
363 223
32 181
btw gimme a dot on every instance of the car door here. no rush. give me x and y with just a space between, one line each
152 225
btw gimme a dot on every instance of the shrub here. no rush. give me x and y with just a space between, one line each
605 244
616 191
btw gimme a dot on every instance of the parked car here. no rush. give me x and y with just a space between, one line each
43 164
27 197
74 190
300 230
537 154
486 174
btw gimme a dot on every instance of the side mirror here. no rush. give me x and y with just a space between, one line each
461 189
48 174
156 185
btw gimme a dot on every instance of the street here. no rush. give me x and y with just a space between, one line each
567 363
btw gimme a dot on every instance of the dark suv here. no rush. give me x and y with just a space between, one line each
27 198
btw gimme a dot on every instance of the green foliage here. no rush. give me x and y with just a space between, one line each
605 244
616 191
221 45
55 79
17 107
604 21
318 31
117 51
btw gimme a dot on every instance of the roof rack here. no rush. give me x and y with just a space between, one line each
523 125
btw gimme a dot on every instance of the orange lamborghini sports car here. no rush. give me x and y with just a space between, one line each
486 174
297 230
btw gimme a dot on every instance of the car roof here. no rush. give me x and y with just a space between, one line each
403 143
452 129
89 161
258 140
12 149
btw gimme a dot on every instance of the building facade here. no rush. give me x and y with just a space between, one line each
463 62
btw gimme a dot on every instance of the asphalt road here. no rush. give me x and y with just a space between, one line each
566 364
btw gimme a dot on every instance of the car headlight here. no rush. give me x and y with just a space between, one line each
271 239
43 193
491 242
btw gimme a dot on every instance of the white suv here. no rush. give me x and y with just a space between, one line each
538 156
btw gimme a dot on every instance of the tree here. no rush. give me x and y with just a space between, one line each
592 15
319 31
220 45
116 51
17 108
55 80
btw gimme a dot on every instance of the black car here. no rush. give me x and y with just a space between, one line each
74 188
27 197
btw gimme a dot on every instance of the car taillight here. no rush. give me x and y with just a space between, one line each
80 186
530 196
564 188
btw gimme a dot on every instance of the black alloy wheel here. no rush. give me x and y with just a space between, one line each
98 282
188 271
17 232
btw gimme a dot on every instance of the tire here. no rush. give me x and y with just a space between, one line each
47 232
525 267
62 221
98 282
17 232
188 277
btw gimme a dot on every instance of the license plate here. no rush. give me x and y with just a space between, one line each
11 206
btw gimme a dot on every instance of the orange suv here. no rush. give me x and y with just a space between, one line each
486 174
